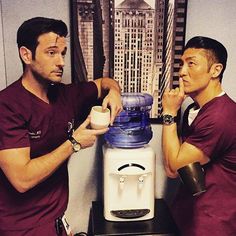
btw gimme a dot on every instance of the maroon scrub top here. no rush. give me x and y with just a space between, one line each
213 212
27 121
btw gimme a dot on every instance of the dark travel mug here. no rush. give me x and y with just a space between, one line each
193 177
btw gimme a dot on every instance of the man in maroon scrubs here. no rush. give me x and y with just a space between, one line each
38 115
208 137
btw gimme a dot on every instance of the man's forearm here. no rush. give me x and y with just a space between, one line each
50 162
105 85
170 148
24 173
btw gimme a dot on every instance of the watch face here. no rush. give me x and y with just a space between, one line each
76 147
168 119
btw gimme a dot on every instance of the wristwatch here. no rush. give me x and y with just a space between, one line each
169 119
75 145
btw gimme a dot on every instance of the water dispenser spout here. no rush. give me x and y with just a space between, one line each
141 181
122 182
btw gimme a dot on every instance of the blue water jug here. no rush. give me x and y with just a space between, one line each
132 128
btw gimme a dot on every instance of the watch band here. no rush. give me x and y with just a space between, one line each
75 144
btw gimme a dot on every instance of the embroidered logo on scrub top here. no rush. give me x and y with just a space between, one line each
35 135
71 125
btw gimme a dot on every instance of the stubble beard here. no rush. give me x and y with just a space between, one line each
44 81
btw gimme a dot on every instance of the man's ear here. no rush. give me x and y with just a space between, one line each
25 54
216 69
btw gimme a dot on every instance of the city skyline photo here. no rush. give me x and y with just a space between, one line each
137 42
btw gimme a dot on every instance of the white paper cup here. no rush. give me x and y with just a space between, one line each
99 119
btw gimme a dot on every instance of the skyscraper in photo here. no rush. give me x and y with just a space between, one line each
173 43
137 42
134 45
85 12
148 43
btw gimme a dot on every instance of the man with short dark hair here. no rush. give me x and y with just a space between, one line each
208 137
38 117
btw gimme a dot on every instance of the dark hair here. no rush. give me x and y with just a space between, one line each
218 53
29 32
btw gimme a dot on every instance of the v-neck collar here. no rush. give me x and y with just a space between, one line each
33 96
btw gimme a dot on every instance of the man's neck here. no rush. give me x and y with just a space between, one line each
206 95
31 84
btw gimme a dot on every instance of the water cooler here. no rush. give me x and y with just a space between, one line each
129 162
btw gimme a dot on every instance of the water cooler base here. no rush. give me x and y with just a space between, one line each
129 183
